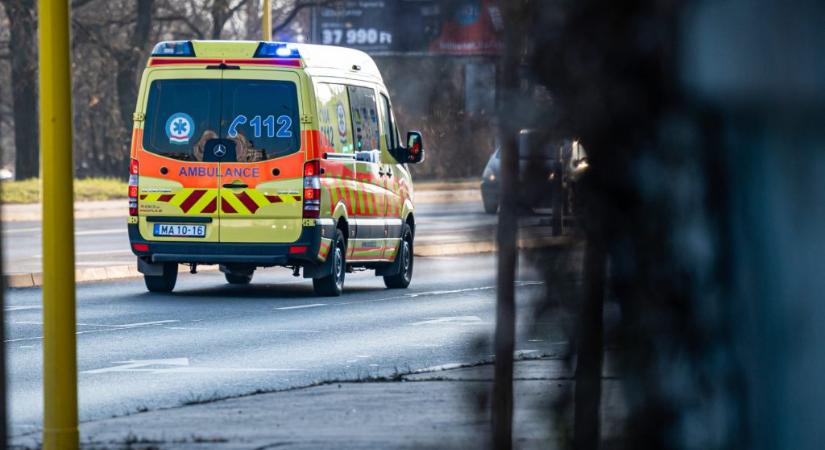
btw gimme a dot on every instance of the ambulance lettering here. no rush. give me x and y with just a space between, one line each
237 172
242 172
198 172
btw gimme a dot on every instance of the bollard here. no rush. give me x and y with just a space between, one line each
59 340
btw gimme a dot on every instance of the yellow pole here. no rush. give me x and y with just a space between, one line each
266 26
59 344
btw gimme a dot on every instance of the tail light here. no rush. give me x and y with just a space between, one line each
312 189
133 187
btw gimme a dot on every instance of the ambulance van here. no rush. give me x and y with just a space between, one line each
258 154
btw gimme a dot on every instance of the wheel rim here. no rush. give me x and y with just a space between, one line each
407 261
339 267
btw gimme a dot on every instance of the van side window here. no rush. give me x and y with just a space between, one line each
333 117
364 118
387 125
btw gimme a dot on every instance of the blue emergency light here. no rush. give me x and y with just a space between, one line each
277 50
174 48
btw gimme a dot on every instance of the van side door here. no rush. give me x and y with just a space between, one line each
371 225
395 175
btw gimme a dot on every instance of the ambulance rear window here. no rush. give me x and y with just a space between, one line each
180 114
260 116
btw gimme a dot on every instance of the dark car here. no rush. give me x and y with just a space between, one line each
538 172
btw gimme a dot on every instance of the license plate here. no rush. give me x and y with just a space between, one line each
175 230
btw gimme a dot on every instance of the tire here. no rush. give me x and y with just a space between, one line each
233 278
332 285
402 279
165 282
490 206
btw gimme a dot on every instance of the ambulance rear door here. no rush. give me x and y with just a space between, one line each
177 188
262 172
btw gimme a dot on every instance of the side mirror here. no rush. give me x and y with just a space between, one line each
414 153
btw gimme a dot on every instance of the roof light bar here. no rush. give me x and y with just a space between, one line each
174 48
277 50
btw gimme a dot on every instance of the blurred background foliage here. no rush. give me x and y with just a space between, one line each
111 41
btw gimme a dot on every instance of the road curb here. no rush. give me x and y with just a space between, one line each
90 274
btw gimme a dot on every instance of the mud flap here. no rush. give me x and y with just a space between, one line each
321 270
390 269
151 269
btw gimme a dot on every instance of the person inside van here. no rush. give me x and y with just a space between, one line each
246 151
200 147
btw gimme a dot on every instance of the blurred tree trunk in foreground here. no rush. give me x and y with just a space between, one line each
23 56
510 124
703 125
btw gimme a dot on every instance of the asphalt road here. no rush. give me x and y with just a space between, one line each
104 242
138 351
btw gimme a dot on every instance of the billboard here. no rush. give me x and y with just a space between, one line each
454 27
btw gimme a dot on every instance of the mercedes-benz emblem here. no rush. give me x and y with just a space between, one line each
219 150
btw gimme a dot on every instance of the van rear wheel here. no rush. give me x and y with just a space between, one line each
332 285
164 282
402 279
233 278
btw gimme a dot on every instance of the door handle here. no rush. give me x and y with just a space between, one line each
235 186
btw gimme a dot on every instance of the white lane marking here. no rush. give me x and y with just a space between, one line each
77 233
97 232
518 353
175 365
127 366
458 320
362 356
97 253
436 293
441 367
27 322
144 324
126 326
314 305
294 331
23 308
21 230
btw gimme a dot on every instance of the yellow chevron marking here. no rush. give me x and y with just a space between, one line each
181 196
203 201
257 197
151 197
235 203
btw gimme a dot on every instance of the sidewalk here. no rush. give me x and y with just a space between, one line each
436 409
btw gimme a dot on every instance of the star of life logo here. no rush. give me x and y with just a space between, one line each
180 128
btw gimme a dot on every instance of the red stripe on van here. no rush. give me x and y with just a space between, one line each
227 208
248 202
191 200
211 207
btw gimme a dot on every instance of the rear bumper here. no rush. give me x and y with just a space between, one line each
301 252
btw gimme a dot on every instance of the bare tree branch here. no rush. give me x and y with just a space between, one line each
184 19
235 8
300 6
80 3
